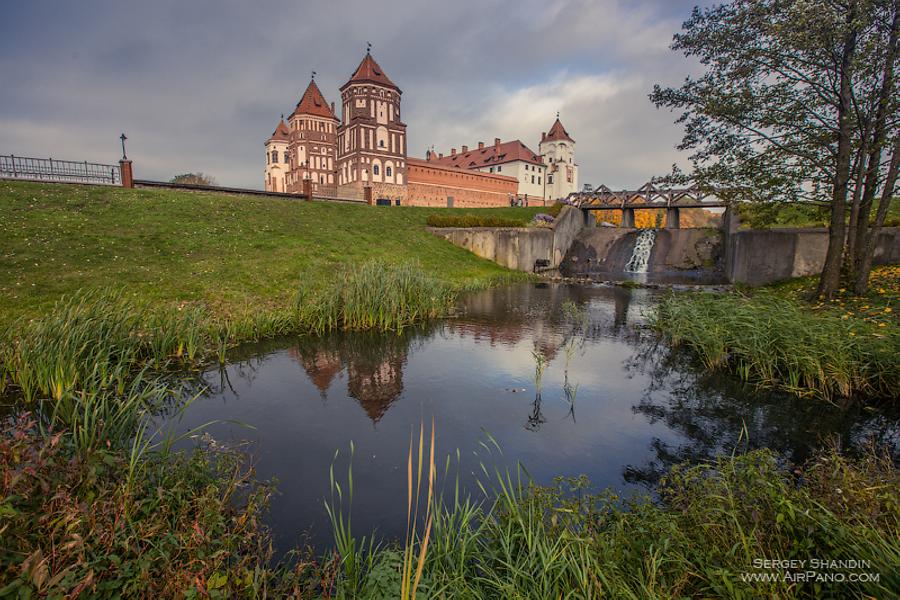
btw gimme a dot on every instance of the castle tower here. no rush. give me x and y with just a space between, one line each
313 143
277 158
557 150
372 138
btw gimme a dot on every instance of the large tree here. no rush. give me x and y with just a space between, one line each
796 103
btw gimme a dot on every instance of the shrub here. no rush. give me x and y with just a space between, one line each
189 526
470 220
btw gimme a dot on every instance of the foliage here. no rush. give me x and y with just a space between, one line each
766 215
187 527
473 221
238 258
191 526
772 341
194 179
796 102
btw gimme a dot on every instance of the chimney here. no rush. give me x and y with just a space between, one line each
481 145
332 107
497 144
543 135
452 151
464 149
440 155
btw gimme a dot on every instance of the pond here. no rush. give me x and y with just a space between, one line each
615 404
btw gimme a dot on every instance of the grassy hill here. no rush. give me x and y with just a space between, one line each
233 254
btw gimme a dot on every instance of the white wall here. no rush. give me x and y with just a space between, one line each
524 172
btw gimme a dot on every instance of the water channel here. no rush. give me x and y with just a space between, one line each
615 404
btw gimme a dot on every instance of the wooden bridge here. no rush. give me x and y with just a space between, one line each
648 196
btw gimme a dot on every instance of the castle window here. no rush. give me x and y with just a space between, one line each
387 171
274 156
287 157
549 179
499 168
539 181
381 143
532 179
375 170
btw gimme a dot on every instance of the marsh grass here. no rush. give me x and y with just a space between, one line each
375 295
712 521
775 342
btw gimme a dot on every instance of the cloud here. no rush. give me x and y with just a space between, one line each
199 86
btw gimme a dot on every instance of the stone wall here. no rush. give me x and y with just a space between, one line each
513 247
518 247
603 252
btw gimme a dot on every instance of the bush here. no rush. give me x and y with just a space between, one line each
73 526
473 221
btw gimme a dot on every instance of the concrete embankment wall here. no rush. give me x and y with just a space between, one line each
518 247
761 256
752 257
606 250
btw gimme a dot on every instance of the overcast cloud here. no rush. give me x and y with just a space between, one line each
200 85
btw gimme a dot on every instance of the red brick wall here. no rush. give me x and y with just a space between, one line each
430 185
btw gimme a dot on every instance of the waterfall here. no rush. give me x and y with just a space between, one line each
640 257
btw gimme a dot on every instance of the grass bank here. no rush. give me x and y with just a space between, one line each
233 256
774 337
190 527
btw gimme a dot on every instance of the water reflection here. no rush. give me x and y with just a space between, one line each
639 407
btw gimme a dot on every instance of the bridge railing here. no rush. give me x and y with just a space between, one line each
646 196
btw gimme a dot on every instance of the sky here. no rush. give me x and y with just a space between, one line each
200 85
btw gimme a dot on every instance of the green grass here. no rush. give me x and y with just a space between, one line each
232 255
773 215
772 338
192 526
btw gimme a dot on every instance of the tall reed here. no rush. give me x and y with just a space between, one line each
776 342
374 295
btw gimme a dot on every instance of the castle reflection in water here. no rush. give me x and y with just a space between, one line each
373 363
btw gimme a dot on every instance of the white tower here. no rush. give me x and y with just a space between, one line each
277 158
557 150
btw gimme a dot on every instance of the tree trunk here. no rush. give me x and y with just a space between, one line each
879 136
861 286
831 273
860 169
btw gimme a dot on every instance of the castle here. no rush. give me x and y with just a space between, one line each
367 148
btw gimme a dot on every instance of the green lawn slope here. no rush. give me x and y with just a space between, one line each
234 254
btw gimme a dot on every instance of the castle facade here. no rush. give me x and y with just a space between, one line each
367 148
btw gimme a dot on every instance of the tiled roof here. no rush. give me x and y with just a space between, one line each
557 133
489 156
281 133
369 71
313 103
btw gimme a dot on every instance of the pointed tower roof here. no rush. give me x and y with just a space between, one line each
369 71
281 133
313 103
557 133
